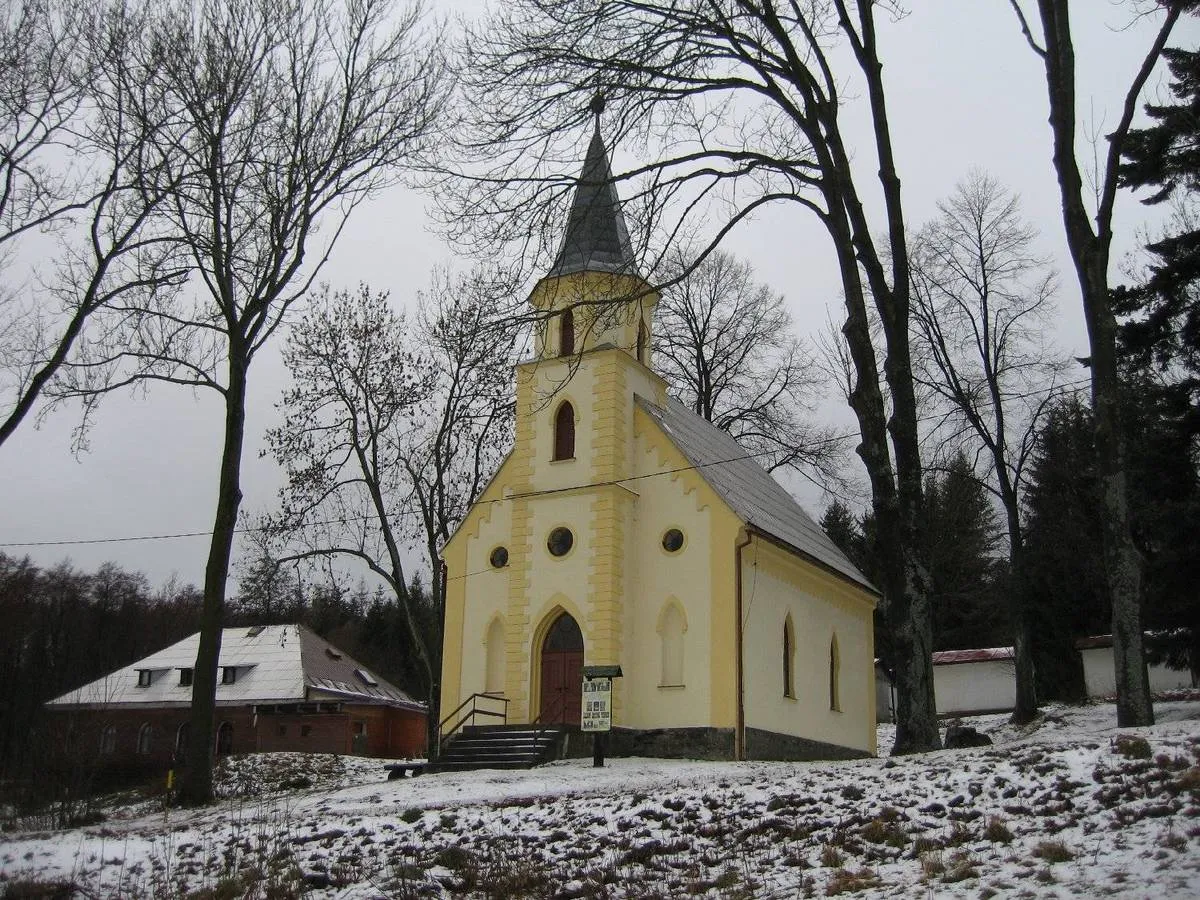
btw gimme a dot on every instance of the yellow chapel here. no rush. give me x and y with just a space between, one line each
624 529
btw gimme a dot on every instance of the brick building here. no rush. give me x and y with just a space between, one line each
280 687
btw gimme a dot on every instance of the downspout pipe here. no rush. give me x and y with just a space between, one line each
739 733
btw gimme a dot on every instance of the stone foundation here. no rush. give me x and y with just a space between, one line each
773 745
704 743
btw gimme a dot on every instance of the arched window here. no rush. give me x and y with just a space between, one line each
108 740
566 333
225 739
835 664
564 432
145 739
494 650
789 651
641 341
671 627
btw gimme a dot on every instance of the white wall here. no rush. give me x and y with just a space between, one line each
772 587
1100 675
974 686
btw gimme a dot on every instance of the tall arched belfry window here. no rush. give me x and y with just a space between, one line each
641 342
566 333
789 651
564 432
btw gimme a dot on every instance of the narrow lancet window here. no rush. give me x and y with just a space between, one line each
789 651
566 333
564 432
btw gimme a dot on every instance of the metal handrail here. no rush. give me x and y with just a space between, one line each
555 708
470 715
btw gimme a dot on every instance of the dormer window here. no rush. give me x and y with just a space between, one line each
366 677
566 333
185 677
145 677
228 674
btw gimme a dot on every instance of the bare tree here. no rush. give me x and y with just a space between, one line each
726 347
342 442
982 299
69 191
466 420
390 434
285 116
737 105
1089 237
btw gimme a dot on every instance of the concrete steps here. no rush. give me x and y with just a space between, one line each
498 747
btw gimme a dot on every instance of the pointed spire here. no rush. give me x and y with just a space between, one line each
596 239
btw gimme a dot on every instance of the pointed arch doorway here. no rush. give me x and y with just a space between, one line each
562 672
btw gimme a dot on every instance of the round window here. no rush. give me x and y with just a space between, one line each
672 540
560 541
499 558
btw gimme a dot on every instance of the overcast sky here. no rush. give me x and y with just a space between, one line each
964 91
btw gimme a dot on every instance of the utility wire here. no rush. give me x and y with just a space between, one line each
527 495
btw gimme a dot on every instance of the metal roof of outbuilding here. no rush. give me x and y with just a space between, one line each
276 664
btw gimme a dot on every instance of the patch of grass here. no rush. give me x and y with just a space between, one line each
845 881
412 814
31 889
959 834
454 858
923 844
1053 852
1131 746
830 857
997 832
932 863
961 867
852 792
877 831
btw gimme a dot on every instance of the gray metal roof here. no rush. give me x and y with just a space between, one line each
596 239
749 490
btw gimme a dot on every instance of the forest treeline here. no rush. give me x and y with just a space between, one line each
963 542
64 627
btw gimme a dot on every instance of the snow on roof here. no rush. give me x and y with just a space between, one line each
273 664
988 654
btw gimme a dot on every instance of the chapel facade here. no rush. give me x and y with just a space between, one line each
624 529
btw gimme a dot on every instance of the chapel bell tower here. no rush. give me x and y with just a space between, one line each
593 294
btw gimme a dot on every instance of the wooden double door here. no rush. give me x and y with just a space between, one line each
562 672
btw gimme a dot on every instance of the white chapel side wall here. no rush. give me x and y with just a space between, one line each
774 584
659 578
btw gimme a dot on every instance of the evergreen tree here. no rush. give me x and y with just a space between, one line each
1067 592
1161 331
844 530
960 540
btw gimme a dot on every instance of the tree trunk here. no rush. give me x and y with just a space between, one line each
196 787
1090 255
1122 562
905 584
1025 709
434 696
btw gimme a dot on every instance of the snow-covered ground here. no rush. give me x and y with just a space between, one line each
1069 807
